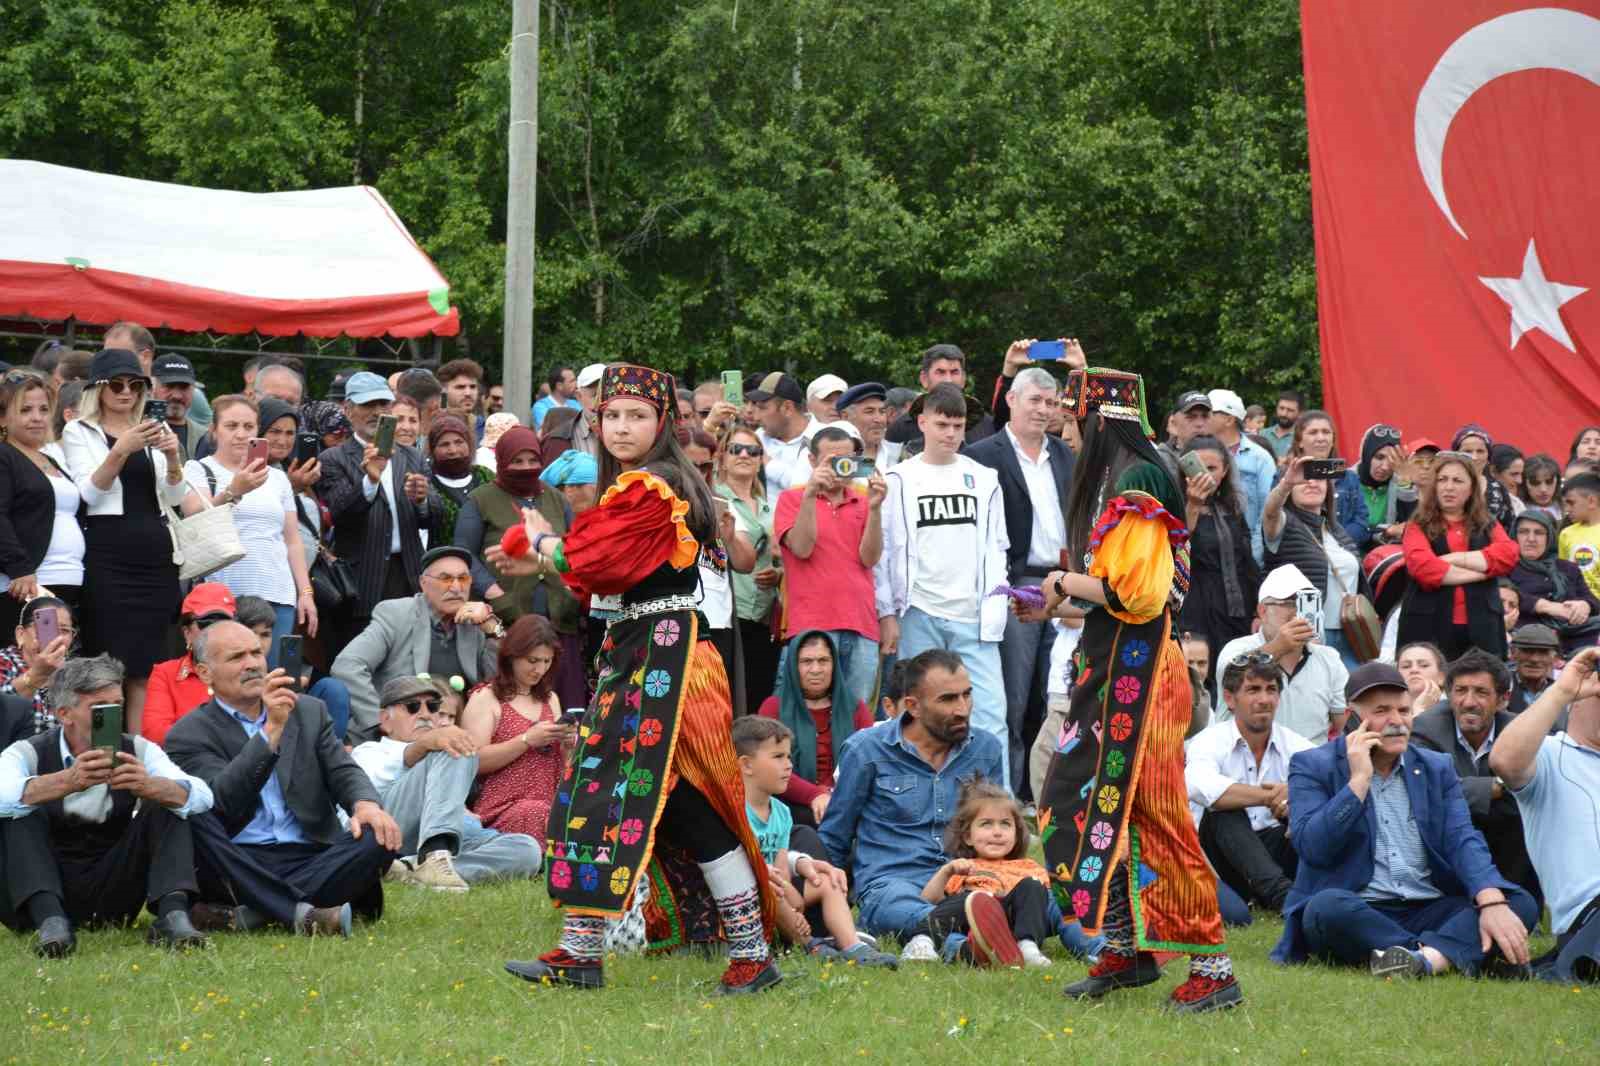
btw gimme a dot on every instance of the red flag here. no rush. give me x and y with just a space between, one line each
1455 179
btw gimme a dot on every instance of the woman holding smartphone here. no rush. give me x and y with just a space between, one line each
239 473
41 545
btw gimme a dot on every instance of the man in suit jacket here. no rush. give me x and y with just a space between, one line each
1464 727
278 774
1392 873
434 632
1035 471
379 506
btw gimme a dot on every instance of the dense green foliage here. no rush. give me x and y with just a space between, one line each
817 183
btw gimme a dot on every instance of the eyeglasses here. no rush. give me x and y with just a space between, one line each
752 450
122 385
415 706
451 579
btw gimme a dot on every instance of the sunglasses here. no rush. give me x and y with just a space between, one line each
1386 433
1251 658
122 385
752 450
415 706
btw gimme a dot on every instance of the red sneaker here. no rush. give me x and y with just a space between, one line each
1115 972
989 932
747 976
1200 994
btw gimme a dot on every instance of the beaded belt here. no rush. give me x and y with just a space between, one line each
664 605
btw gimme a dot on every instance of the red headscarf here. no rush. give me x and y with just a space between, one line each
523 483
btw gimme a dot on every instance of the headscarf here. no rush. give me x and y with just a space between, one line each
571 467
793 712
1545 566
1374 440
520 483
1471 429
443 426
495 426
325 417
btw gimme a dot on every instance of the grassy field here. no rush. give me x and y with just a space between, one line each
425 986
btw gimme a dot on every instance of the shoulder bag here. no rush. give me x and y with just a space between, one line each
333 581
206 541
1363 629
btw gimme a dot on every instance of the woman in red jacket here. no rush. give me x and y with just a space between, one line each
1455 552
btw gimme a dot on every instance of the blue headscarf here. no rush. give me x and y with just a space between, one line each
793 712
571 467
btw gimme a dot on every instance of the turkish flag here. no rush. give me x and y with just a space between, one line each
1455 183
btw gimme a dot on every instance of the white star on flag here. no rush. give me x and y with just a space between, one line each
1535 301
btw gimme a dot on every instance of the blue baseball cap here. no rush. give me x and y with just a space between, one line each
365 387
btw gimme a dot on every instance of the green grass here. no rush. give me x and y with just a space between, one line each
425 985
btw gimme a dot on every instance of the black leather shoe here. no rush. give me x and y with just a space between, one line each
56 940
1144 971
559 968
176 931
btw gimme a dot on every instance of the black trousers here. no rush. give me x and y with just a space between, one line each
760 662
275 878
1253 864
804 839
1027 910
98 882
691 823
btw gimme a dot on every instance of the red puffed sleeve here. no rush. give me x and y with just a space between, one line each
637 526
1425 567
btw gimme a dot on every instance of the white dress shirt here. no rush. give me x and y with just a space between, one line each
1218 757
786 464
19 764
1049 523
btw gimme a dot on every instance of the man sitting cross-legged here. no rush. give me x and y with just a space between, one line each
423 769
279 774
1392 873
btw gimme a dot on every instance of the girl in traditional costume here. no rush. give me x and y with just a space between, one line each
1115 824
654 764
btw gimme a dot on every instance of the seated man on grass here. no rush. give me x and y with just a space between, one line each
1392 873
815 893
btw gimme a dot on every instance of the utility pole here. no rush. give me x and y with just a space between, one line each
523 141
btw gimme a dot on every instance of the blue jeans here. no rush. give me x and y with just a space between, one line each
857 666
336 697
283 620
920 631
893 907
1340 925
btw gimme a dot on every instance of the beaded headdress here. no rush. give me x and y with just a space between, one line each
628 380
1114 393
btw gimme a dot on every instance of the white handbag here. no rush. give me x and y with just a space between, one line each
206 541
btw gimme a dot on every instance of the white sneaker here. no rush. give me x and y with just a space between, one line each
919 949
438 872
401 871
1031 955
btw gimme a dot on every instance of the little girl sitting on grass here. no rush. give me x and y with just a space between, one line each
991 890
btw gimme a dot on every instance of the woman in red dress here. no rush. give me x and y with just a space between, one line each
516 722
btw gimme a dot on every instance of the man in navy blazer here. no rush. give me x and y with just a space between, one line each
1035 471
1392 873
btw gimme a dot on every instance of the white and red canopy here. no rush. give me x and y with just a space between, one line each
325 263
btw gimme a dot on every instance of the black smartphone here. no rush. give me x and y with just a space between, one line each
573 715
46 626
105 726
155 410
307 446
385 436
291 657
1324 469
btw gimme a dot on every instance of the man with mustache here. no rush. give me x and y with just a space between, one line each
436 632
1392 873
1464 727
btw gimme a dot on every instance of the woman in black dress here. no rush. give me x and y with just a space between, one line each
127 467
1223 574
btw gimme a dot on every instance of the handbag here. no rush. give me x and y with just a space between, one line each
1363 629
205 542
333 581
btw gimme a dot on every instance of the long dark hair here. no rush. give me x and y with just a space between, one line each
665 459
1572 453
1110 446
1226 498
1431 518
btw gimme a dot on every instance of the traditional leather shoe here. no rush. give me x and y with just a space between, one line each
1113 972
559 968
1200 994
176 931
56 939
745 977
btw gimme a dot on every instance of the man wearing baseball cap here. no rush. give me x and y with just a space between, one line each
175 384
822 396
584 436
865 406
1393 875
786 428
1256 467
1190 417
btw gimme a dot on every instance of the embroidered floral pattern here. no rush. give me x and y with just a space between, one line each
666 632
560 875
1127 689
657 683
632 830
1122 723
1089 869
1134 653
1108 798
1100 835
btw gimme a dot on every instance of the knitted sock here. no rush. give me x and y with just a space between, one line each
1216 967
1118 925
583 937
733 886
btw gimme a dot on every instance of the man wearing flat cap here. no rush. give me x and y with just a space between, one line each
1534 647
866 407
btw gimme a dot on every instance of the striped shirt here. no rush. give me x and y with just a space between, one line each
1400 868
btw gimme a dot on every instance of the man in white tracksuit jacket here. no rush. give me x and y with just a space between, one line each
944 548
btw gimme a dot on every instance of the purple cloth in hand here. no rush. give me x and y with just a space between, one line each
1029 597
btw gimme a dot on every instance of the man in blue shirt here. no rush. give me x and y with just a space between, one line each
563 390
1256 467
895 790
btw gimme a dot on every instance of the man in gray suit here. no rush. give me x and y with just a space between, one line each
436 632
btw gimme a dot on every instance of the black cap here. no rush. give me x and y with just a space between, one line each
1190 400
1372 675
111 363
867 390
776 385
445 551
172 369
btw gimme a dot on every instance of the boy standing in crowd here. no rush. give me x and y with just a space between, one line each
1580 541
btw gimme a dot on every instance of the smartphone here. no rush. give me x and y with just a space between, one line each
46 626
307 446
385 437
1042 351
155 410
1324 469
1191 464
733 386
291 658
573 715
1308 605
721 506
258 451
851 466
105 726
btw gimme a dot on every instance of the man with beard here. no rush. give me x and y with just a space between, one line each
895 790
435 632
1281 433
1392 874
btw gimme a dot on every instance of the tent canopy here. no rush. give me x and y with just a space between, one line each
324 263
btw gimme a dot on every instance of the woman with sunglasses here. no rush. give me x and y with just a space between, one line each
41 545
129 471
658 784
738 480
1386 500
